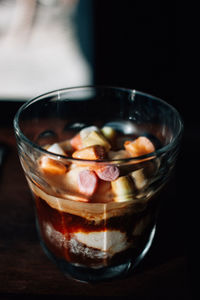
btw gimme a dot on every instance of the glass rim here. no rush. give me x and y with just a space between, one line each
137 159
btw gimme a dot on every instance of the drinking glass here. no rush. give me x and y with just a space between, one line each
106 234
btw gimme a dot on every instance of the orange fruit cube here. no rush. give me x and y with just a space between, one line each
140 146
76 142
95 152
51 166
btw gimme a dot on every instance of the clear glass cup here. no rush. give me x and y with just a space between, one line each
106 234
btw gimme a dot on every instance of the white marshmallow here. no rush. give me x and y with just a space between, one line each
85 131
112 241
139 178
55 148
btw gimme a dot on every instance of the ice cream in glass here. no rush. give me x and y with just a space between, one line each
95 159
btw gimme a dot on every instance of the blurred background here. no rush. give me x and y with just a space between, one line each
40 48
50 44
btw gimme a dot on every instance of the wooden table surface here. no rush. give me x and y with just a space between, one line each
27 272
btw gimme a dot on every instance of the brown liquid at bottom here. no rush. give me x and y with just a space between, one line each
57 229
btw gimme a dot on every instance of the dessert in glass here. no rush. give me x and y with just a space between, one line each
95 159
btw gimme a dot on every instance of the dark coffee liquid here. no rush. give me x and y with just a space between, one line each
58 229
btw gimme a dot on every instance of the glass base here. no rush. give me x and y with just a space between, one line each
85 274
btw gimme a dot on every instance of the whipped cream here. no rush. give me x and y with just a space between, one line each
107 242
96 212
111 241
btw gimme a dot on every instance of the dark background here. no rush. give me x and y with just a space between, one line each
137 44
